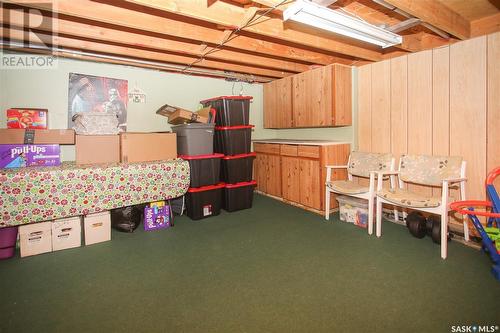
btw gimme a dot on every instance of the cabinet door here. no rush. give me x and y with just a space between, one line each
313 98
273 179
342 90
260 166
284 114
310 183
290 178
270 105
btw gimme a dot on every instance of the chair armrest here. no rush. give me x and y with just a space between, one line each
454 180
336 166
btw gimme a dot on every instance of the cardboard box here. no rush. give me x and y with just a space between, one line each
184 116
66 233
21 118
97 228
18 156
35 238
145 147
41 137
96 149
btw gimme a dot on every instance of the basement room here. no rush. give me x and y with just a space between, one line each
250 166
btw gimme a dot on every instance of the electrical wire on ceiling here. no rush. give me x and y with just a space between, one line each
234 33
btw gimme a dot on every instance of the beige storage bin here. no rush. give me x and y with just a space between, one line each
35 238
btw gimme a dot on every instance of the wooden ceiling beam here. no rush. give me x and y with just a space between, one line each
485 25
92 46
126 18
226 14
103 34
437 14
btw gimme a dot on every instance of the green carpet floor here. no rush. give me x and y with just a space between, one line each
274 268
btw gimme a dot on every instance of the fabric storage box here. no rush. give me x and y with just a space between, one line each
231 110
202 202
353 210
147 147
194 139
97 149
237 168
204 169
8 239
97 228
17 156
66 233
233 140
238 196
22 118
96 123
35 238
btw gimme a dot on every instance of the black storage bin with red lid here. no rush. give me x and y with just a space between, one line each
202 202
238 196
205 169
237 168
233 140
231 110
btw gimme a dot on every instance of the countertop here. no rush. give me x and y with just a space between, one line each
301 142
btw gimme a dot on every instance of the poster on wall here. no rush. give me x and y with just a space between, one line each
89 93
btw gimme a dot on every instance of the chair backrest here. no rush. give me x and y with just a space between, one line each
361 163
429 170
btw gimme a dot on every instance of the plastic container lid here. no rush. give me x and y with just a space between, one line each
252 183
206 188
200 157
233 157
193 125
225 97
225 128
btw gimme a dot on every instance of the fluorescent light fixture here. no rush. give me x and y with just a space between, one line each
331 20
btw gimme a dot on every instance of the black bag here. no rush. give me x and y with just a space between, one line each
127 219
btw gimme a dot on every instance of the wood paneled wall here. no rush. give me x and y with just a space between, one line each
444 101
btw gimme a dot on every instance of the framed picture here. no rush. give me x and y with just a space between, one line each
89 93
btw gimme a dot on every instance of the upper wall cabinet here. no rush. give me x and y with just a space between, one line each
322 97
317 98
278 103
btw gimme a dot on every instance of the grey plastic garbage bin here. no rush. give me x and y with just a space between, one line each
194 139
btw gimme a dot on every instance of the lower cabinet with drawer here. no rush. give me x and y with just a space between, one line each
296 173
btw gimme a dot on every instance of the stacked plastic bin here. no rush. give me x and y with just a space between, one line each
233 136
195 145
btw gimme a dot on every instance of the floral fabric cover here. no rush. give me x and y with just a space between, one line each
429 170
96 123
403 197
347 187
361 164
33 194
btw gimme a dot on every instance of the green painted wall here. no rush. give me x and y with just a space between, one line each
49 89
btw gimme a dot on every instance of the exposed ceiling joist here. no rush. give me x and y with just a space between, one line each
485 25
436 14
106 34
89 45
227 14
403 25
126 18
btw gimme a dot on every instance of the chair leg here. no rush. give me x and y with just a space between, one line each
327 204
396 214
379 218
370 215
466 229
444 235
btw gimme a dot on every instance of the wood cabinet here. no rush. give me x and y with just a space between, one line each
322 97
317 98
301 171
278 103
